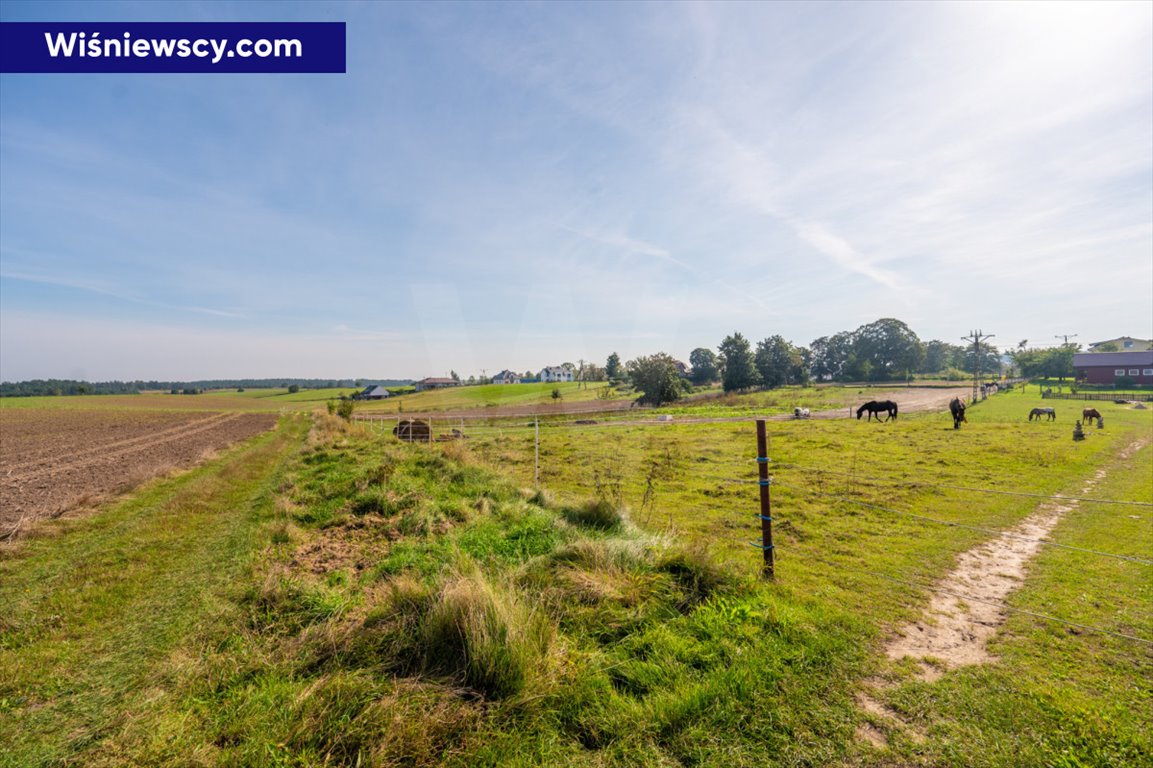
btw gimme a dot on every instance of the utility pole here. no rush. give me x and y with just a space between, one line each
1065 338
976 337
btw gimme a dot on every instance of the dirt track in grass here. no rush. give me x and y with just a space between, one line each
968 606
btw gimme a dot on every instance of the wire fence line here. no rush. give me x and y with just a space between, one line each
916 484
921 585
522 431
529 426
993 531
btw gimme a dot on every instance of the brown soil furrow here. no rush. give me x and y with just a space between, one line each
85 485
142 443
31 465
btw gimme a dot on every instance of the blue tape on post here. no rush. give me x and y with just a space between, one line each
763 517
765 483
763 459
758 545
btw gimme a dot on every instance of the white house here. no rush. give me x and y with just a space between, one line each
506 377
555 373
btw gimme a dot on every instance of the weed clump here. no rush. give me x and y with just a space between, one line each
599 514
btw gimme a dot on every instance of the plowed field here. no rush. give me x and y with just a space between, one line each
52 460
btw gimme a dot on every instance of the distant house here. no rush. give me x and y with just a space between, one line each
1124 344
1107 367
682 369
506 377
557 373
375 392
434 383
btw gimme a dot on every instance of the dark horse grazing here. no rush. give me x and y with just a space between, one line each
957 408
875 407
1039 412
1090 413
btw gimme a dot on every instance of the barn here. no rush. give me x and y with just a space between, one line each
1107 367
375 392
506 377
435 383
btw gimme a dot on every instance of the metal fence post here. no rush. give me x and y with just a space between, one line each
764 482
536 455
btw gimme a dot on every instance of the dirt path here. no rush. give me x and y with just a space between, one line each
967 606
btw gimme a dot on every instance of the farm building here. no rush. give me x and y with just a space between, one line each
1123 344
375 392
1107 367
434 383
506 377
556 373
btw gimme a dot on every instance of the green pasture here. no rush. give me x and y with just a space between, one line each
489 395
385 604
454 398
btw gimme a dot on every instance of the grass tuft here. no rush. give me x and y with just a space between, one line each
599 514
487 635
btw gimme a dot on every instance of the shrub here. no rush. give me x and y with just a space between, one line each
345 408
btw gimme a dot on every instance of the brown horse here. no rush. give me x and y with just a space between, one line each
874 408
957 408
1090 413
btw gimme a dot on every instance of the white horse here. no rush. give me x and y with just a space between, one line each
801 413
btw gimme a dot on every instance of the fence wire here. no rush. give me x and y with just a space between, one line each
915 484
993 531
840 568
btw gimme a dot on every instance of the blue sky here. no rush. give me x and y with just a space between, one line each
517 185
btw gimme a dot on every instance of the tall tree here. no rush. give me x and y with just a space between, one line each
830 355
657 377
613 366
704 363
940 355
888 347
774 361
738 370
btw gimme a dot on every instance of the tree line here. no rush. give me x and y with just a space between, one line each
59 387
884 350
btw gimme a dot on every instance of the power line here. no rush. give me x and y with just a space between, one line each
977 337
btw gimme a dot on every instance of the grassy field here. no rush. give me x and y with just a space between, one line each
489 395
305 400
386 604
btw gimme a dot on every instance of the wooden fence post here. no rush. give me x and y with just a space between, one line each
764 482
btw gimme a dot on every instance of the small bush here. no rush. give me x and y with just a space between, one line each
345 408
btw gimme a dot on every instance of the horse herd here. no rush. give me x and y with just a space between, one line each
957 409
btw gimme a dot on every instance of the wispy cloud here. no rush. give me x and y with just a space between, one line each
623 177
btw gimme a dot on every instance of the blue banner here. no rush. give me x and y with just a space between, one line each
254 47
